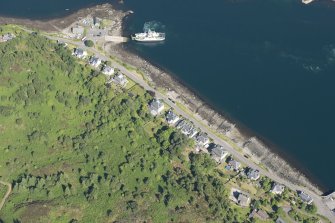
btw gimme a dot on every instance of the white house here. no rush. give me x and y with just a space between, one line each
234 165
95 61
243 200
172 118
80 53
218 153
305 197
120 79
277 189
253 174
107 70
202 140
156 107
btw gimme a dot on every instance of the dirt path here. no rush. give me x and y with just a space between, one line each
9 190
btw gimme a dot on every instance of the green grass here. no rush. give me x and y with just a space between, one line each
74 149
3 190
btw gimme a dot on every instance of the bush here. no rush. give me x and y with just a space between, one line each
311 209
89 43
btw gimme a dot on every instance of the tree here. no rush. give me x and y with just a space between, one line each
132 205
311 208
89 43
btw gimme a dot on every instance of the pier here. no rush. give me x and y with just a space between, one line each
116 39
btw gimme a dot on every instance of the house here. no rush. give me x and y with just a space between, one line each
96 21
95 61
61 43
156 107
277 189
7 37
172 118
192 132
80 53
305 197
280 220
107 70
218 153
259 214
239 197
120 79
187 128
78 30
243 200
253 174
234 165
202 140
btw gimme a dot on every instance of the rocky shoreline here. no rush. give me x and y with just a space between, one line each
58 24
251 146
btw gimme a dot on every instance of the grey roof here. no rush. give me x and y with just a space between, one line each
243 199
187 128
79 52
234 164
202 138
262 214
171 117
279 220
277 188
95 60
218 151
305 197
253 174
120 78
108 69
156 105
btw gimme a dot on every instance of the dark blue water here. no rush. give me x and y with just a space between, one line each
270 64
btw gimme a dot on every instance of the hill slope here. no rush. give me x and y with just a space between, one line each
75 150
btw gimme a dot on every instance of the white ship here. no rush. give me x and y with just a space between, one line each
149 36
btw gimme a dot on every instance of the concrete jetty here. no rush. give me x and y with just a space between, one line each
116 39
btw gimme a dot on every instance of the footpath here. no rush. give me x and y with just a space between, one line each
9 190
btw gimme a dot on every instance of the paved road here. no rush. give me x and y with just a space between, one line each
9 190
322 208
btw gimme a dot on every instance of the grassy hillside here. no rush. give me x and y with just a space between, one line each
77 151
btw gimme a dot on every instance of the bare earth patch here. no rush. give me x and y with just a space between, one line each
35 211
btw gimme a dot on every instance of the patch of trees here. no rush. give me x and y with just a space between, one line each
89 43
31 92
51 186
172 142
6 110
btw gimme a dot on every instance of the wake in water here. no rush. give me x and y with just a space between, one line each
154 26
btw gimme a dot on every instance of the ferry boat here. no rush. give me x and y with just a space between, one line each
149 36
307 1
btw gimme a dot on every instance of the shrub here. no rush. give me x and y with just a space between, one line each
89 43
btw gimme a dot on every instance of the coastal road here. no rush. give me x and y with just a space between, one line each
322 208
9 190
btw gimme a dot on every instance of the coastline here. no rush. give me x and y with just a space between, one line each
60 23
251 145
161 79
